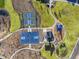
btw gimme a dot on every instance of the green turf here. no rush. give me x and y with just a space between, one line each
70 18
2 3
46 54
43 10
15 21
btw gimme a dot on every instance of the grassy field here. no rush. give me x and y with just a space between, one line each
67 14
46 19
70 18
46 54
15 21
2 3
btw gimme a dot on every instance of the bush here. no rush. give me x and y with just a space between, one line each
2 3
47 46
14 17
62 50
46 20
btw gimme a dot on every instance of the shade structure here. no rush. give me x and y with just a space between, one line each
59 27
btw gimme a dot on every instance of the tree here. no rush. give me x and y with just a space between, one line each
61 50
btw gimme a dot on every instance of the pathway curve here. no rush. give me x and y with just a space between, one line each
16 51
55 19
75 51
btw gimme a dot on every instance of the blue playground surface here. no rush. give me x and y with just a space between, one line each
59 27
29 38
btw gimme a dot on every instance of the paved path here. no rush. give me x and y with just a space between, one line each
29 29
5 37
75 51
55 21
21 50
20 30
2 57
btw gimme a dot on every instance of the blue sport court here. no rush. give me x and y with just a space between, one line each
29 18
29 38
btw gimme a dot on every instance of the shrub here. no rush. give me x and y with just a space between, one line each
62 50
2 3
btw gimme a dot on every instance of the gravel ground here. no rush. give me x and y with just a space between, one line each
28 54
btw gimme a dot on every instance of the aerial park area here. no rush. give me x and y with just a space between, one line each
45 27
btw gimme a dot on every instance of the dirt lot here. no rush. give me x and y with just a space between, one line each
28 54
11 45
4 22
22 6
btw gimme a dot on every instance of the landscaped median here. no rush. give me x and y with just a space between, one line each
15 21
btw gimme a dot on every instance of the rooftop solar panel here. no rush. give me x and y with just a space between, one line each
29 38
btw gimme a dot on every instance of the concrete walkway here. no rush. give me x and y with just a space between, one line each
75 51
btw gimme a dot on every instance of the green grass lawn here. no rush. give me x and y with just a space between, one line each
69 16
70 19
15 21
46 19
2 3
46 54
